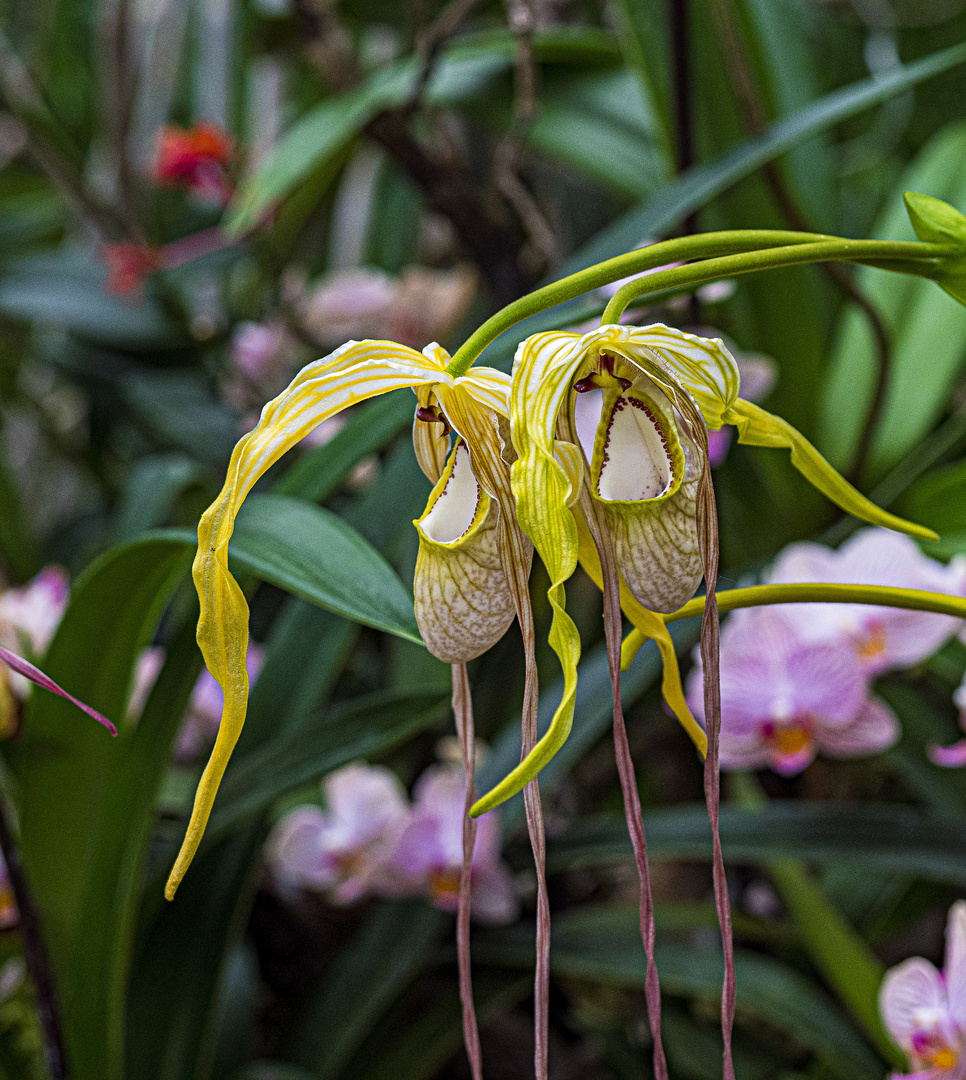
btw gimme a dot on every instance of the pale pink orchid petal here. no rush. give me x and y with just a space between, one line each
883 638
910 991
784 699
718 444
743 750
954 967
873 730
825 682
792 762
297 851
33 612
256 349
430 851
345 849
924 1009
35 675
146 671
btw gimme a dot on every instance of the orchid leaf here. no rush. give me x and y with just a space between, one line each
397 940
416 1044
927 330
847 963
867 836
314 554
698 186
86 800
759 428
603 945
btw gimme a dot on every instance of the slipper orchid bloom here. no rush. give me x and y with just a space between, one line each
924 1009
634 404
469 543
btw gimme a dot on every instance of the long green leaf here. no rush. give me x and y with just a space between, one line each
314 554
701 184
86 800
604 945
927 330
346 732
176 982
398 940
329 127
878 836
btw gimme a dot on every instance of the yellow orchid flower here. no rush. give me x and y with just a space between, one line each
633 402
470 542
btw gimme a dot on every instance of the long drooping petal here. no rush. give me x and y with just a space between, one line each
759 428
353 373
543 487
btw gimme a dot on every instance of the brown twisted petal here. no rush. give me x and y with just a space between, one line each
645 477
463 602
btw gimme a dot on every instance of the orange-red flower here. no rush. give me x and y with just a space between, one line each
195 158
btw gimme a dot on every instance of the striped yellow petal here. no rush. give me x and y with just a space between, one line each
544 366
353 373
463 602
703 366
759 428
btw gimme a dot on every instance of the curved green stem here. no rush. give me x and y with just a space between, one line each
807 593
906 256
704 245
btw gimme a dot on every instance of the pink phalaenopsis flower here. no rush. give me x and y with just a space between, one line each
784 699
883 638
346 849
924 1009
430 853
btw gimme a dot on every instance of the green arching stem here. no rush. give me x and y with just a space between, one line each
704 245
807 593
726 253
904 256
